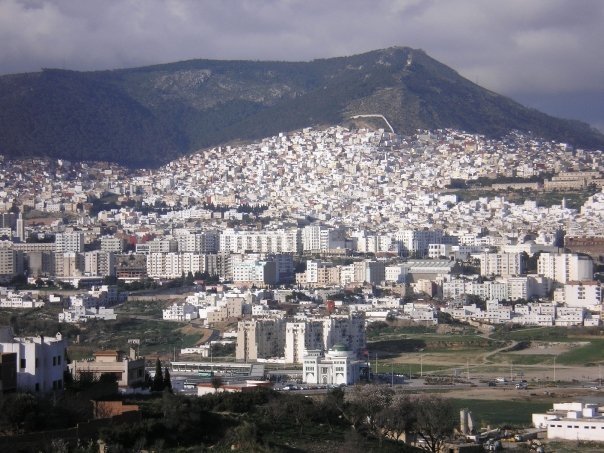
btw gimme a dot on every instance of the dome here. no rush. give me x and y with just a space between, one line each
340 347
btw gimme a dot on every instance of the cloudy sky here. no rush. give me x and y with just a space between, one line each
545 53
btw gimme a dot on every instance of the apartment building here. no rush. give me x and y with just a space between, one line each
300 337
565 267
69 242
503 264
260 339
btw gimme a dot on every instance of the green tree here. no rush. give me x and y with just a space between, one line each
158 379
167 381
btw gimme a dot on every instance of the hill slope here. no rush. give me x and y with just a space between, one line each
146 116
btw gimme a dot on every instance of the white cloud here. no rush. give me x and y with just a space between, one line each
508 46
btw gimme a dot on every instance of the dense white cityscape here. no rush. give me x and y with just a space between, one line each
353 226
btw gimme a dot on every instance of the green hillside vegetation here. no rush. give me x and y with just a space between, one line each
146 116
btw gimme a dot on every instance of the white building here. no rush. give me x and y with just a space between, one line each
69 242
301 337
416 242
586 294
572 421
338 366
40 360
397 273
180 312
565 267
503 264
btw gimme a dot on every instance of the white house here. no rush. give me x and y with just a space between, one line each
40 360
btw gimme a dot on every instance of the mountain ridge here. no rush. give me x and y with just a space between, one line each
146 116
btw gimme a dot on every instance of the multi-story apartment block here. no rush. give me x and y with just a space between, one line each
277 241
174 265
503 264
256 273
565 267
69 264
11 263
301 337
99 263
260 338
321 274
586 294
365 242
69 242
396 273
346 329
205 242
112 244
320 239
416 242
158 245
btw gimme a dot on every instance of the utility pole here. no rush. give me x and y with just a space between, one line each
376 364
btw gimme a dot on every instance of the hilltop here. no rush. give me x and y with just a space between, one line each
142 117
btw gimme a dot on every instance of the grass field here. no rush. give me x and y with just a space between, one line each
501 412
593 353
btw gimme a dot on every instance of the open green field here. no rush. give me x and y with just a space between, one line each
590 354
522 351
501 412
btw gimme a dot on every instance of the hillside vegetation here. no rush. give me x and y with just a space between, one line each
143 117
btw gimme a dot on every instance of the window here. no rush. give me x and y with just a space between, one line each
54 361
59 359
37 387
22 363
37 363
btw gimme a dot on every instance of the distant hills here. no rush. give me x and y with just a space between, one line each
146 116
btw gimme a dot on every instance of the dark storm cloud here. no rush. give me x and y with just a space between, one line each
511 46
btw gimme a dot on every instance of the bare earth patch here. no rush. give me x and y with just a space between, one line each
547 348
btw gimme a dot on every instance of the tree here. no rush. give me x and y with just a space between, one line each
364 403
167 381
398 418
434 422
216 383
158 379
